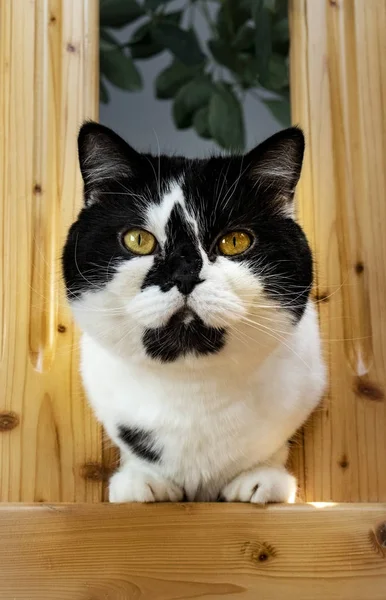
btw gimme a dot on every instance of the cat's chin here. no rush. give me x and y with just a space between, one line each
185 334
186 316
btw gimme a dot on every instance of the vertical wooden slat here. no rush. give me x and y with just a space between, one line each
338 77
49 72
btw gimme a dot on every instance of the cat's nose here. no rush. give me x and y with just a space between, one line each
185 265
186 283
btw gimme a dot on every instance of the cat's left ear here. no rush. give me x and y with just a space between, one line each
275 167
104 158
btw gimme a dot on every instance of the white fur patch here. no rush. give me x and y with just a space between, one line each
261 485
153 308
158 214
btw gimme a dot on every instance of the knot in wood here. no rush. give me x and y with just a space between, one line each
359 268
380 535
344 463
8 420
368 389
94 471
259 552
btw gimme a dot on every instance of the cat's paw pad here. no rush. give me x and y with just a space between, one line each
261 486
138 486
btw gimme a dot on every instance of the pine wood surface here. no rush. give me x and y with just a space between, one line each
49 442
185 551
338 91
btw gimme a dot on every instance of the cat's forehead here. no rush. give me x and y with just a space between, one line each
173 207
210 196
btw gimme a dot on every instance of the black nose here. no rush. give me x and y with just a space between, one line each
185 265
186 283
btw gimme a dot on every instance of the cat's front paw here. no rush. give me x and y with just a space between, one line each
261 486
134 485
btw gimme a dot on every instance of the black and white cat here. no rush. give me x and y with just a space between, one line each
200 351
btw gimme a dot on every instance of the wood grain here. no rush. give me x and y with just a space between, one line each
181 551
338 87
49 77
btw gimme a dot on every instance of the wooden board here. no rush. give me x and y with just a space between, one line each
181 551
338 89
50 446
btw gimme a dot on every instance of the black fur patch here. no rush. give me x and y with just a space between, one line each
178 339
140 442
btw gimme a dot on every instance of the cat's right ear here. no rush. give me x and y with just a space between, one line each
104 158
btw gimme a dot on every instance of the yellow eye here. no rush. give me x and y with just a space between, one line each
139 241
235 242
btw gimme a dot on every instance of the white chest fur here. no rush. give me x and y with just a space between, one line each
210 419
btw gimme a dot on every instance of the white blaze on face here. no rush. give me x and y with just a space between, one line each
158 215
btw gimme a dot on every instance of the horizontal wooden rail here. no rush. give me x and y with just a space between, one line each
181 551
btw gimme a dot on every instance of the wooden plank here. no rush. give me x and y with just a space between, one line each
338 96
165 552
49 77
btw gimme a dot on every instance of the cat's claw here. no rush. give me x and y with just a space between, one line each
261 486
139 486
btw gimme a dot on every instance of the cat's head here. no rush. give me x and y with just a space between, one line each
173 258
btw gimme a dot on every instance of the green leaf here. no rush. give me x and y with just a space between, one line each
103 92
225 55
281 110
270 5
173 17
231 16
169 81
142 43
280 31
226 120
182 43
223 25
201 123
107 41
239 12
277 76
120 70
190 98
245 37
281 9
263 40
117 13
154 4
243 66
250 72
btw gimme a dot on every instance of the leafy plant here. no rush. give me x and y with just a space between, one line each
247 53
